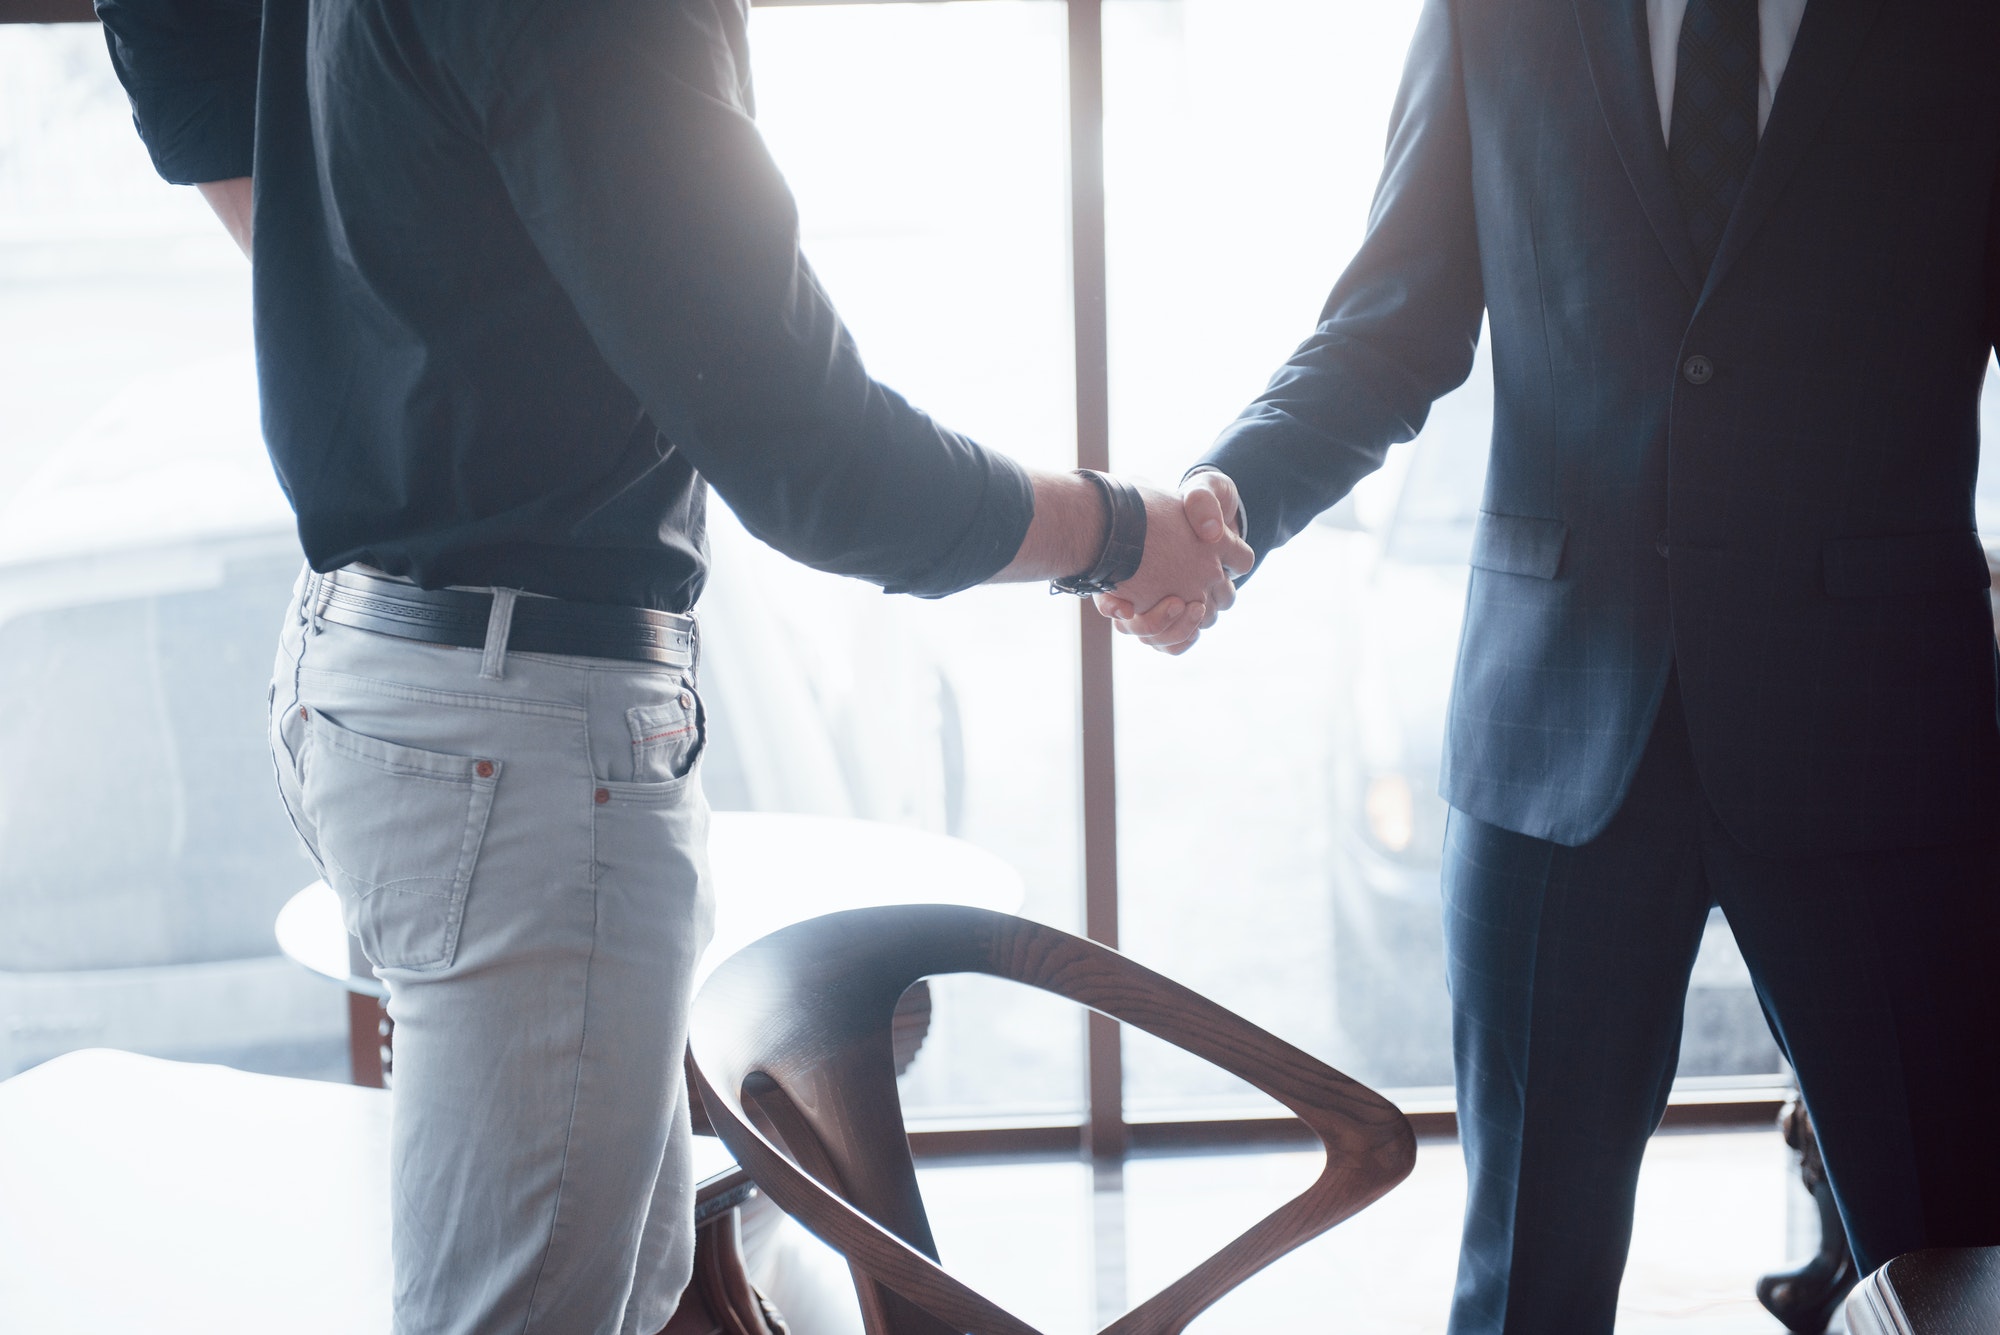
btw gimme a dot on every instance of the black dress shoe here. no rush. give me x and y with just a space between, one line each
1805 1299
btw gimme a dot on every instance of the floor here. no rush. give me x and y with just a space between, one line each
1716 1210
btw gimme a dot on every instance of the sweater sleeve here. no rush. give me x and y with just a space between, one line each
190 70
623 135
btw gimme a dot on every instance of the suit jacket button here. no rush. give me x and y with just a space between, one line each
1698 370
1660 544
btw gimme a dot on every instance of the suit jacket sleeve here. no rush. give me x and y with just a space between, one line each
190 70
1398 330
1993 267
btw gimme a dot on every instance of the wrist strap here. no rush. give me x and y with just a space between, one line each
1124 538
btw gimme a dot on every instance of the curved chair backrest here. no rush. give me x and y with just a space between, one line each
791 1046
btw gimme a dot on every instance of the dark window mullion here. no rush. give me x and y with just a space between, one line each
1107 1136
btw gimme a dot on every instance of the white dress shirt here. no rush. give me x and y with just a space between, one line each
1777 25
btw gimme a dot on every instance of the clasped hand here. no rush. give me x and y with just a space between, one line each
1186 579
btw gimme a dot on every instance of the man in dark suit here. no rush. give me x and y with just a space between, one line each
1727 638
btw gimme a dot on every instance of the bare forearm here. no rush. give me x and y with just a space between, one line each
1066 533
231 201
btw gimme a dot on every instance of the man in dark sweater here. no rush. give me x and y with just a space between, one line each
526 283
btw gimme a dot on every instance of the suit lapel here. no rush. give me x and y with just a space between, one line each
1619 51
1829 40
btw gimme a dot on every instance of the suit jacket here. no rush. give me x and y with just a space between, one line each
1762 474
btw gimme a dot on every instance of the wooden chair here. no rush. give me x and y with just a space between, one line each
791 1046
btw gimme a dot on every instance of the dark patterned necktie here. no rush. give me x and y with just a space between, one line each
1714 126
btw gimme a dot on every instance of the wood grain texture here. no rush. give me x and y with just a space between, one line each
791 1047
47 11
370 1038
719 1299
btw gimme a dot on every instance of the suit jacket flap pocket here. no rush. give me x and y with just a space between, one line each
1519 544
1904 564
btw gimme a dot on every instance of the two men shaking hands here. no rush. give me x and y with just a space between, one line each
528 284
1182 570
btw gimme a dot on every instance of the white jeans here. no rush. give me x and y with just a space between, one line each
522 859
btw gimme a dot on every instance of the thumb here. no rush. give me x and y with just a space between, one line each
1110 605
1204 514
1237 557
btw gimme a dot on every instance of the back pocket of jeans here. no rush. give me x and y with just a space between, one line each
398 830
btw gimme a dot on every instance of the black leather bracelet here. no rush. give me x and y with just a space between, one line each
1124 539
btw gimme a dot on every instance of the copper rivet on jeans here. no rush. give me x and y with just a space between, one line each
687 699
484 769
302 711
603 795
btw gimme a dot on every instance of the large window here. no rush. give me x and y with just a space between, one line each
1294 874
1242 144
926 146
1266 826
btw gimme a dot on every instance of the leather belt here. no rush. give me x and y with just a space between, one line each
540 625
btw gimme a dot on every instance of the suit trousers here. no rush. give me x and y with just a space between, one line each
1569 967
518 841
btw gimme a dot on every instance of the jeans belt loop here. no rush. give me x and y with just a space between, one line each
499 624
321 592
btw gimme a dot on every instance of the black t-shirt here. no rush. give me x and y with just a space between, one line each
525 277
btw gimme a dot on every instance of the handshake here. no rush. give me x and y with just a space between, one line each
1185 578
